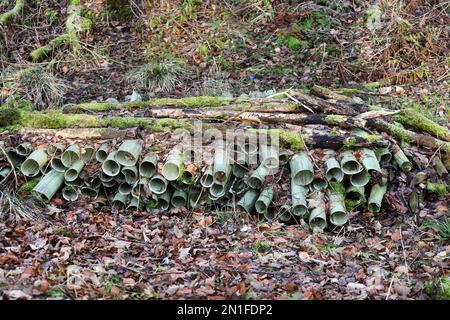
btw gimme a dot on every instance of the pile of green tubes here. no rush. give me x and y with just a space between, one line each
324 186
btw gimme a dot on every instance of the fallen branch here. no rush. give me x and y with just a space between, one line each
14 12
74 25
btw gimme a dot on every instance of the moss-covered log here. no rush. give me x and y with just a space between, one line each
406 117
417 121
407 136
298 141
255 114
13 13
237 104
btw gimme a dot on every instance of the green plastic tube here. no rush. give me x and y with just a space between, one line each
285 213
92 181
158 184
73 172
402 160
269 214
120 200
333 171
102 153
349 163
147 169
57 164
302 171
56 149
264 200
354 197
135 204
298 194
34 163
207 179
383 155
49 185
152 203
369 160
15 158
269 157
376 197
217 190
179 199
129 152
360 179
24 149
88 154
105 178
188 178
110 166
247 202
283 157
109 184
4 172
317 216
70 155
77 182
240 167
196 198
319 183
221 166
89 192
131 174
69 193
125 188
120 178
256 180
238 187
164 200
338 213
173 165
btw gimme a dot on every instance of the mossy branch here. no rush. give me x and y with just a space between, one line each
75 24
13 13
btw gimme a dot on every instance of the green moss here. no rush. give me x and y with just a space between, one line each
334 118
399 133
350 142
189 102
370 137
439 188
371 86
27 187
438 288
64 231
9 116
338 187
15 101
55 119
416 120
292 139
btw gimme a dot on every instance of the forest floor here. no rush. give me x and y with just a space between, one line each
83 251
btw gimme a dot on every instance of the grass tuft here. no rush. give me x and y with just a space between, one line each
39 85
157 76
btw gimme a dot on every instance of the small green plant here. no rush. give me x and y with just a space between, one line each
112 281
51 14
56 292
157 76
64 231
438 288
262 246
442 228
